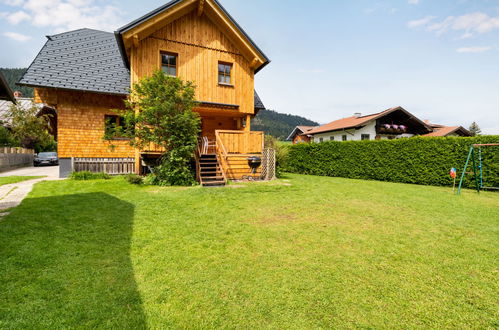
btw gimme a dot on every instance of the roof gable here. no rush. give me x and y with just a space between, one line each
143 27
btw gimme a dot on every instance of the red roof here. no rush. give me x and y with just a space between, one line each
447 130
351 122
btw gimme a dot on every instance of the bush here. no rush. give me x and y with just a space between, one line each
134 178
87 175
416 160
151 180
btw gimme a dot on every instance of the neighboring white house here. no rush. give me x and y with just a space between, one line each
392 123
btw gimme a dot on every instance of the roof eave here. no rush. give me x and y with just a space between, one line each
8 91
121 47
73 89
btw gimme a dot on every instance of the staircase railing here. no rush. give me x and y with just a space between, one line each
221 155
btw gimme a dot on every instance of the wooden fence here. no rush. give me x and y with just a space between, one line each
113 166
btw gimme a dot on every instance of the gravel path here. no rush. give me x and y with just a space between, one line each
11 195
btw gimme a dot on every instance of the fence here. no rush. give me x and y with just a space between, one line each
268 164
240 142
15 157
113 166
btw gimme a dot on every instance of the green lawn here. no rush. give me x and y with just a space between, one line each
15 179
307 252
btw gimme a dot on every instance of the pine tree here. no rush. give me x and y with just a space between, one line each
475 129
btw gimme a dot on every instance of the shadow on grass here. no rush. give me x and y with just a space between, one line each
65 262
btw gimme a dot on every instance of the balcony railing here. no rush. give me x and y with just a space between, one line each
240 142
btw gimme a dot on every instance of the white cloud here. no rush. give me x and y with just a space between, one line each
17 17
420 22
413 2
16 36
473 49
469 24
63 15
13 2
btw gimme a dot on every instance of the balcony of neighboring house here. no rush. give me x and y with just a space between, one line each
399 124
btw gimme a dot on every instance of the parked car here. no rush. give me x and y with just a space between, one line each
46 158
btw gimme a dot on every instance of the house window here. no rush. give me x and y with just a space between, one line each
169 64
331 138
115 126
224 73
321 140
365 137
343 137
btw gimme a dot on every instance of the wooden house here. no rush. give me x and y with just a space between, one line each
300 134
85 74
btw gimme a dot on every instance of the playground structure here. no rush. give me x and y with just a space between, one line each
477 166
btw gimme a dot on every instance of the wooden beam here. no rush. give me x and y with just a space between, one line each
200 7
152 25
136 41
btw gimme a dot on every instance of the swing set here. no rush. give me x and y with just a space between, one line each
477 167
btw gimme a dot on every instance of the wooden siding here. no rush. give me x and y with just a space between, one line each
238 168
200 45
81 123
240 142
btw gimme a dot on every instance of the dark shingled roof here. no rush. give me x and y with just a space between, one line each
83 60
258 103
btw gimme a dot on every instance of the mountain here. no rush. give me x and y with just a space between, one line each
12 76
279 125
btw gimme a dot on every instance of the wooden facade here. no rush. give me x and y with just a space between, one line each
200 35
81 124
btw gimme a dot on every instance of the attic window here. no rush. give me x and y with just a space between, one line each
224 73
169 64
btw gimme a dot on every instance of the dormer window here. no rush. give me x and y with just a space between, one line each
169 64
224 73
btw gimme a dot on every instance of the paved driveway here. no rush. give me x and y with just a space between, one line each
51 172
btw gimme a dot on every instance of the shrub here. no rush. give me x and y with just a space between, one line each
134 178
151 180
87 175
159 110
416 160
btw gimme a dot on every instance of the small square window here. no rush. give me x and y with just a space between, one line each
343 137
365 137
224 73
169 64
331 138
321 140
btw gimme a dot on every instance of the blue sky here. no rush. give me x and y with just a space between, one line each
330 58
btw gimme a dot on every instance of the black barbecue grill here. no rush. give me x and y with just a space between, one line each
254 162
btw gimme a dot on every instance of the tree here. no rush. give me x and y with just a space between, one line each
29 130
159 111
475 129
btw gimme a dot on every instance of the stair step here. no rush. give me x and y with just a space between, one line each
218 177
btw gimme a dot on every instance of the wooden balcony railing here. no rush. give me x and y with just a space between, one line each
240 142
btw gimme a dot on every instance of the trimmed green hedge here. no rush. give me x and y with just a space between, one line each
415 160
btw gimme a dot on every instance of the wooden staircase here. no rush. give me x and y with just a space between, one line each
210 171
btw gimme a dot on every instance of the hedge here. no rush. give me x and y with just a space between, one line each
418 160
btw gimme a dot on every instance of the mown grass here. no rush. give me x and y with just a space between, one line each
15 179
305 252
